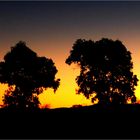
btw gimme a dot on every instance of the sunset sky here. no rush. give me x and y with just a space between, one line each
51 28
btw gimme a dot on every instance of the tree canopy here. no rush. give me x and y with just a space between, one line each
29 73
105 71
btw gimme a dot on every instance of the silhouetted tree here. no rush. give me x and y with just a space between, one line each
29 74
105 71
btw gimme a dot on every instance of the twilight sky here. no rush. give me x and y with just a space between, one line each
50 29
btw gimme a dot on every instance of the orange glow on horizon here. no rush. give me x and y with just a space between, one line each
66 96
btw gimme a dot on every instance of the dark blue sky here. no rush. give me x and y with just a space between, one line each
40 19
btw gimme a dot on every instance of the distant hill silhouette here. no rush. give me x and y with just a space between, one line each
125 108
95 121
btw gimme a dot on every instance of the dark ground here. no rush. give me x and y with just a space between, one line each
86 122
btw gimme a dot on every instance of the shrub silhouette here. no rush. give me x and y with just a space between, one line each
29 73
105 71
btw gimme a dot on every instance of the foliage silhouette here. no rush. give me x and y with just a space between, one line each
29 74
105 71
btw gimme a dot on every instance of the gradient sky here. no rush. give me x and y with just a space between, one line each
51 28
